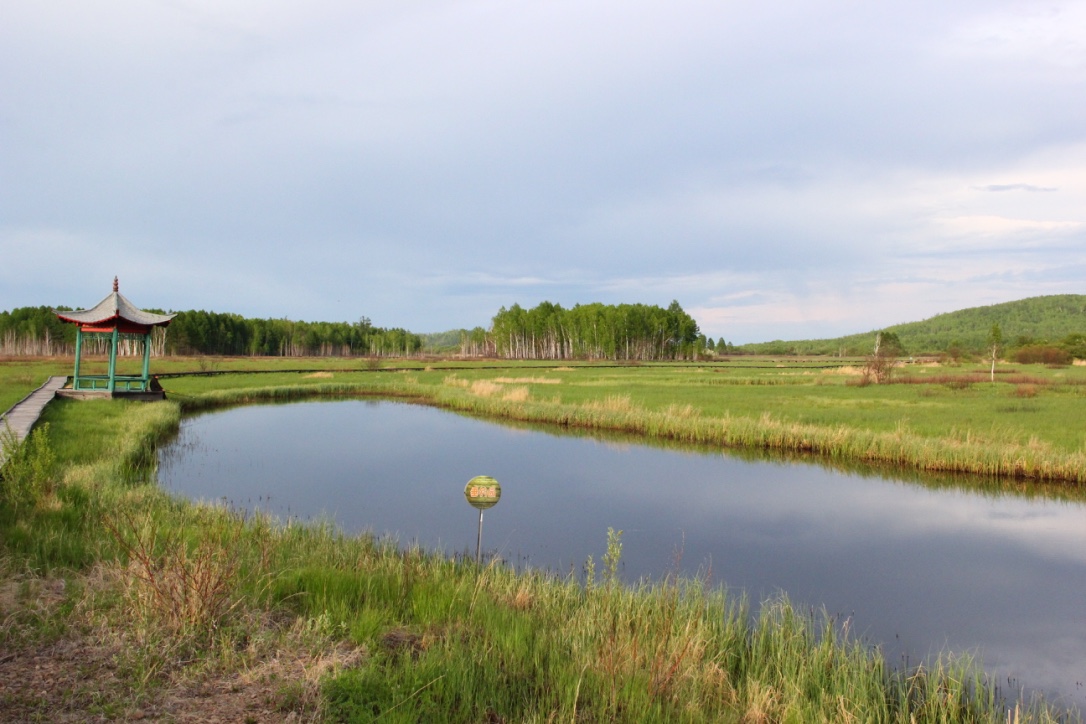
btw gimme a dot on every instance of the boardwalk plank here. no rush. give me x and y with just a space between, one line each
22 416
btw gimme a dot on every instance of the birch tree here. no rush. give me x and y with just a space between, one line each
995 342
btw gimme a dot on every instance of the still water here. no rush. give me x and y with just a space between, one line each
919 570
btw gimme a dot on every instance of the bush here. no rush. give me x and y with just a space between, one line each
1041 354
28 467
1074 345
878 367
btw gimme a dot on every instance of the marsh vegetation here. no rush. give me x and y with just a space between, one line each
189 593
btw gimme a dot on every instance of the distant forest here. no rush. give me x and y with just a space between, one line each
588 331
547 331
585 331
37 331
1050 321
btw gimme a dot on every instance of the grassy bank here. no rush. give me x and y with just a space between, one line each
1027 425
184 598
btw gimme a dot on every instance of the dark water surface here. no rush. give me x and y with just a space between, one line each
918 569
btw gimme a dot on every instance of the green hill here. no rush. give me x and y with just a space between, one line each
1037 320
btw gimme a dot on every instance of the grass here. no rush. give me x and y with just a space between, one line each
184 592
21 376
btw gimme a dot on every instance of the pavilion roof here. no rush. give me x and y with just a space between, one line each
115 307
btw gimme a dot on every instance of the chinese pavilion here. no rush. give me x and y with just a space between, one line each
114 319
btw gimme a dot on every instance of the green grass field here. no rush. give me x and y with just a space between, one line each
184 596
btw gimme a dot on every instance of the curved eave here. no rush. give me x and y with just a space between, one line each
115 311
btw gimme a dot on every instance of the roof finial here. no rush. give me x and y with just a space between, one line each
116 286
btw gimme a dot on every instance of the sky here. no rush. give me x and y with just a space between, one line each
783 170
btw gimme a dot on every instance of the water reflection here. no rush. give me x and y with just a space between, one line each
919 568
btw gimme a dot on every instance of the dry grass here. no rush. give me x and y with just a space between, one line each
529 380
189 592
848 370
611 403
491 388
320 375
485 388
680 411
516 394
763 704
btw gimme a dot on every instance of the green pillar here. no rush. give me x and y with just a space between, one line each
113 361
147 361
78 353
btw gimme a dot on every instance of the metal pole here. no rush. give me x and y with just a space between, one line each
479 540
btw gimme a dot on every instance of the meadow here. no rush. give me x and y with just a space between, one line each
303 622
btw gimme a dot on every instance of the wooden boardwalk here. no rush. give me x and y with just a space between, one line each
22 416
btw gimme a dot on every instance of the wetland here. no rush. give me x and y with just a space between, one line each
916 566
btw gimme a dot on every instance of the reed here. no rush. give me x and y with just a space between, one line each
493 645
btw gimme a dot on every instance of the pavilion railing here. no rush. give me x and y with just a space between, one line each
127 383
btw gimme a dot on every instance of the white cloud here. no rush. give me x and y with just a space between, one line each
1029 37
985 228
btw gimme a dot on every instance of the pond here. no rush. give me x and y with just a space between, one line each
918 569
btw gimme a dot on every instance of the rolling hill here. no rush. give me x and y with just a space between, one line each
1034 320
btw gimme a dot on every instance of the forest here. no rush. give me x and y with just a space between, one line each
37 331
546 331
588 331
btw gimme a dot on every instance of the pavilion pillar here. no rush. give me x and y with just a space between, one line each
147 361
113 360
78 354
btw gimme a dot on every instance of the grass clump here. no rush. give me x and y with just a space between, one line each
27 468
190 589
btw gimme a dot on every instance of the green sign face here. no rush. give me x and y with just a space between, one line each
483 492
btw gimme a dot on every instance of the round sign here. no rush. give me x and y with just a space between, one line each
483 492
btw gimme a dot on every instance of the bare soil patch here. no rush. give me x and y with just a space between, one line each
86 672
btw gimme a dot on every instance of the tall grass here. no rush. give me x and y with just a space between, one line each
455 643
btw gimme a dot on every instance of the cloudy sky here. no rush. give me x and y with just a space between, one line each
783 170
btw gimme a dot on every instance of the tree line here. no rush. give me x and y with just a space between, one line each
548 331
35 331
38 331
214 333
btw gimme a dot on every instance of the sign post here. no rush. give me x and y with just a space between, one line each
482 492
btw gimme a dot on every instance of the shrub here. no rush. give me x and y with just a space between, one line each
28 467
878 367
1041 354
